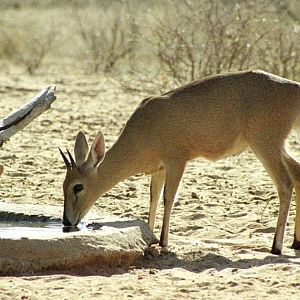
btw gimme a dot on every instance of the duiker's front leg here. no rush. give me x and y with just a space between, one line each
157 182
174 171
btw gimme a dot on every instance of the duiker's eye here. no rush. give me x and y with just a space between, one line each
77 188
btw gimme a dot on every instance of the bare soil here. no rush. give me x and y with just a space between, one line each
222 223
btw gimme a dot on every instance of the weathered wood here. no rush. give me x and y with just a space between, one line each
26 113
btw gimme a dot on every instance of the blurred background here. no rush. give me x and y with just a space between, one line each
150 44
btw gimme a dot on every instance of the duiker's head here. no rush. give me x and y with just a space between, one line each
80 184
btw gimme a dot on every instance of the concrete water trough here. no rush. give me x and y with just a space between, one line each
32 241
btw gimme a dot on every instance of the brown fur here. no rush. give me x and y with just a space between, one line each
213 118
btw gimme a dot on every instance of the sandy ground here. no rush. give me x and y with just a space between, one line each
221 227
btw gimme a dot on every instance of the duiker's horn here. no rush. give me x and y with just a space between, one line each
65 159
73 164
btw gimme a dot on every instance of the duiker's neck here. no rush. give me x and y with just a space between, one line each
120 162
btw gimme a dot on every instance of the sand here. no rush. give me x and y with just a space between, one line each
222 224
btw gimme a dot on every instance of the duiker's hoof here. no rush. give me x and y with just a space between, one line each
296 245
275 251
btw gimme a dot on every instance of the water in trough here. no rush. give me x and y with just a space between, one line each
25 229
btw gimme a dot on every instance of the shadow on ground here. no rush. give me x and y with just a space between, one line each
199 262
196 262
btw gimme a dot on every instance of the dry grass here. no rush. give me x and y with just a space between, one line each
166 43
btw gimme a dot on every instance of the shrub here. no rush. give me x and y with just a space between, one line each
28 43
108 37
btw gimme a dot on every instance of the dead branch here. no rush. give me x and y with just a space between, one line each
26 113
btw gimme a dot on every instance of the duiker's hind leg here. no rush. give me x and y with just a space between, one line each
273 161
294 170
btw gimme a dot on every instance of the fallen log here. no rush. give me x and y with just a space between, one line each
26 114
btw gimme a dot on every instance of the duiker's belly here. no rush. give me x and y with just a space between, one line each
218 149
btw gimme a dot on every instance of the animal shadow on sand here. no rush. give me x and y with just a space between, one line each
198 262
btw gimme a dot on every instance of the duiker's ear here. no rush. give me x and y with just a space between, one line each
81 149
97 151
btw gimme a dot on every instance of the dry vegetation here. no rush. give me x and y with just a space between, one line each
161 43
